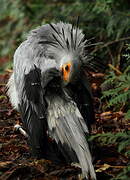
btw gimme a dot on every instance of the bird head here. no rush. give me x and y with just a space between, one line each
67 44
70 69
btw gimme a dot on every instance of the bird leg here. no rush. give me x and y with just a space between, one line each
19 128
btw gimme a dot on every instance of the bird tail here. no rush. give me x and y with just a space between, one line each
81 149
68 128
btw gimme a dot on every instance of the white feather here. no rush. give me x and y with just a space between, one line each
12 93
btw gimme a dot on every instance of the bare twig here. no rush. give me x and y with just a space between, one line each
115 69
110 43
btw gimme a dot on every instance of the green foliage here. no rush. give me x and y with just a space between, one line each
120 92
118 88
124 175
107 20
127 58
127 116
117 95
122 141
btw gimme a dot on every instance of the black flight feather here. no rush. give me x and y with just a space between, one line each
46 42
57 41
67 43
33 84
63 33
33 112
72 38
58 33
54 29
77 24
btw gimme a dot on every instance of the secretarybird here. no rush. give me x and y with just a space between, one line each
50 90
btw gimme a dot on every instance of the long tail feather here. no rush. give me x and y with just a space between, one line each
68 128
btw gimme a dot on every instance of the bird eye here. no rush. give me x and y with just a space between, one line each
67 68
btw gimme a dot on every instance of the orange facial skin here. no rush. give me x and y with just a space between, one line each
66 69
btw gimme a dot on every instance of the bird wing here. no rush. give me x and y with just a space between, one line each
82 96
32 107
33 70
86 99
68 128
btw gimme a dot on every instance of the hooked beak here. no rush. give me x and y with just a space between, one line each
66 71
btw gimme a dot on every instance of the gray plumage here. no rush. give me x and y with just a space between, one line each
46 102
67 127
